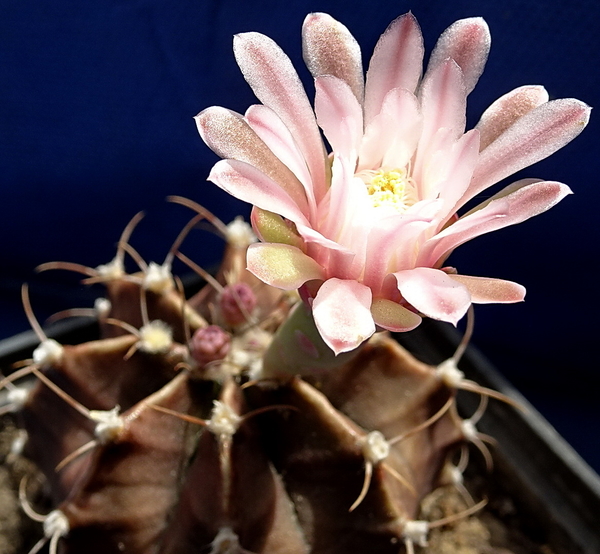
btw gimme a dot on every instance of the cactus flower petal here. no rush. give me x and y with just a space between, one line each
467 42
443 101
505 111
487 291
272 131
339 114
282 266
434 293
342 314
510 206
394 317
330 49
533 137
276 84
251 185
397 63
230 136
371 223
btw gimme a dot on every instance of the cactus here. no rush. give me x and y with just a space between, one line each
164 438
251 418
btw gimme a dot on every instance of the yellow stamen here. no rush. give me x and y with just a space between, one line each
391 188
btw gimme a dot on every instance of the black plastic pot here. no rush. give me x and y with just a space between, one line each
555 490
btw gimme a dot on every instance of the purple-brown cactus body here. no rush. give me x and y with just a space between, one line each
168 453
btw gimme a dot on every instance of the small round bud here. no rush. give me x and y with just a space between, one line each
210 344
237 303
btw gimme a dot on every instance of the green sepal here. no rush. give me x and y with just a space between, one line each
272 227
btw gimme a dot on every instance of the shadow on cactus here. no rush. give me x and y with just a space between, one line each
271 412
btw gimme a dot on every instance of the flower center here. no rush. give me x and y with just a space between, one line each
391 188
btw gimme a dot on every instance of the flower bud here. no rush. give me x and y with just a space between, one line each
210 344
237 303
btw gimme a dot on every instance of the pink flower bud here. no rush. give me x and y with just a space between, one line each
237 303
210 344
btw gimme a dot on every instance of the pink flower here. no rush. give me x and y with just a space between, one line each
364 231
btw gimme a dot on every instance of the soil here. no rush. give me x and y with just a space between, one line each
496 529
17 532
493 530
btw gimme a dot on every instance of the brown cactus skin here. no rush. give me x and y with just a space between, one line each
243 493
286 477
132 483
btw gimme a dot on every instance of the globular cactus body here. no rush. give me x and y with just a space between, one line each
153 451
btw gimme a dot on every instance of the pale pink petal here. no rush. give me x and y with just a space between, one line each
507 109
330 49
397 62
343 265
467 42
344 219
485 290
229 136
311 235
248 184
392 246
506 191
283 266
429 209
392 145
321 248
342 314
269 127
443 100
327 234
394 317
276 84
433 293
448 171
339 115
443 104
345 213
525 200
533 137
325 251
428 154
337 260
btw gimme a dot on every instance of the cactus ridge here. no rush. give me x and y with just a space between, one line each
163 437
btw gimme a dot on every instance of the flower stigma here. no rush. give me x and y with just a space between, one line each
391 188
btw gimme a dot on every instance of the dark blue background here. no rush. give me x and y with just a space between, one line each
96 107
